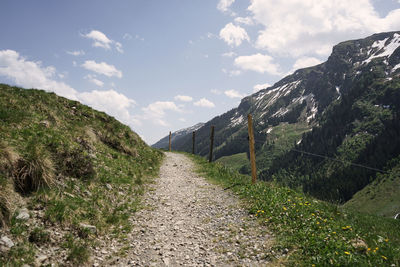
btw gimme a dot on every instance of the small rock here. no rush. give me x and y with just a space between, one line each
109 187
5 241
166 261
23 215
40 259
45 124
91 228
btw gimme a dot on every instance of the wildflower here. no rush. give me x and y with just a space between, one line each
347 253
284 208
288 200
383 257
387 239
333 232
312 214
317 222
369 249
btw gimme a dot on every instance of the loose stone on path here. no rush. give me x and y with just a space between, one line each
188 221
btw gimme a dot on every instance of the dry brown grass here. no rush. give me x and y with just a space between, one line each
33 171
8 159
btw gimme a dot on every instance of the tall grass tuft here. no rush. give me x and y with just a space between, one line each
5 210
8 158
35 170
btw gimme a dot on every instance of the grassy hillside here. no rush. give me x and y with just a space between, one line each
311 232
67 164
235 162
380 197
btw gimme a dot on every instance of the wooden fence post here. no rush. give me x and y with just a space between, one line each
169 141
251 146
211 144
193 141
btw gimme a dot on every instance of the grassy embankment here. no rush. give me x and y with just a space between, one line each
315 232
68 164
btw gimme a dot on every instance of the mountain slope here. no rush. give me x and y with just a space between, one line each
71 173
343 109
176 137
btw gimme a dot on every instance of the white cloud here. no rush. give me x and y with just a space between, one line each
259 63
138 37
232 73
233 94
229 54
183 98
31 74
224 5
74 63
205 103
233 35
118 46
215 91
102 68
127 36
245 21
112 102
156 111
101 40
210 35
305 62
300 27
94 80
259 87
76 53
182 119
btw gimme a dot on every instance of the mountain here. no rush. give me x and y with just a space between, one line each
339 112
176 137
69 176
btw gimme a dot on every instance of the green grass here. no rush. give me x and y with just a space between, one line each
381 197
315 232
76 164
235 162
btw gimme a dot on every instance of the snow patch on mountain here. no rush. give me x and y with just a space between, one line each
236 120
381 49
396 67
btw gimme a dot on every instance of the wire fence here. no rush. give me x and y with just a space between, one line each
307 153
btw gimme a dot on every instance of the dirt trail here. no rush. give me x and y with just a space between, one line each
188 221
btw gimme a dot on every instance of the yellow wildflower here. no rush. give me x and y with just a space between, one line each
383 257
347 253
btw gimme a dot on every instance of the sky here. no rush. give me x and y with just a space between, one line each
164 65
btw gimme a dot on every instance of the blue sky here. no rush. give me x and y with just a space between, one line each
161 65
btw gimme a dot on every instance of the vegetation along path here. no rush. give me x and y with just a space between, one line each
188 221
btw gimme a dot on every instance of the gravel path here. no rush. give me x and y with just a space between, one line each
188 221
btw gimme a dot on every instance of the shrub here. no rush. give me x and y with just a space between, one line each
76 163
35 170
